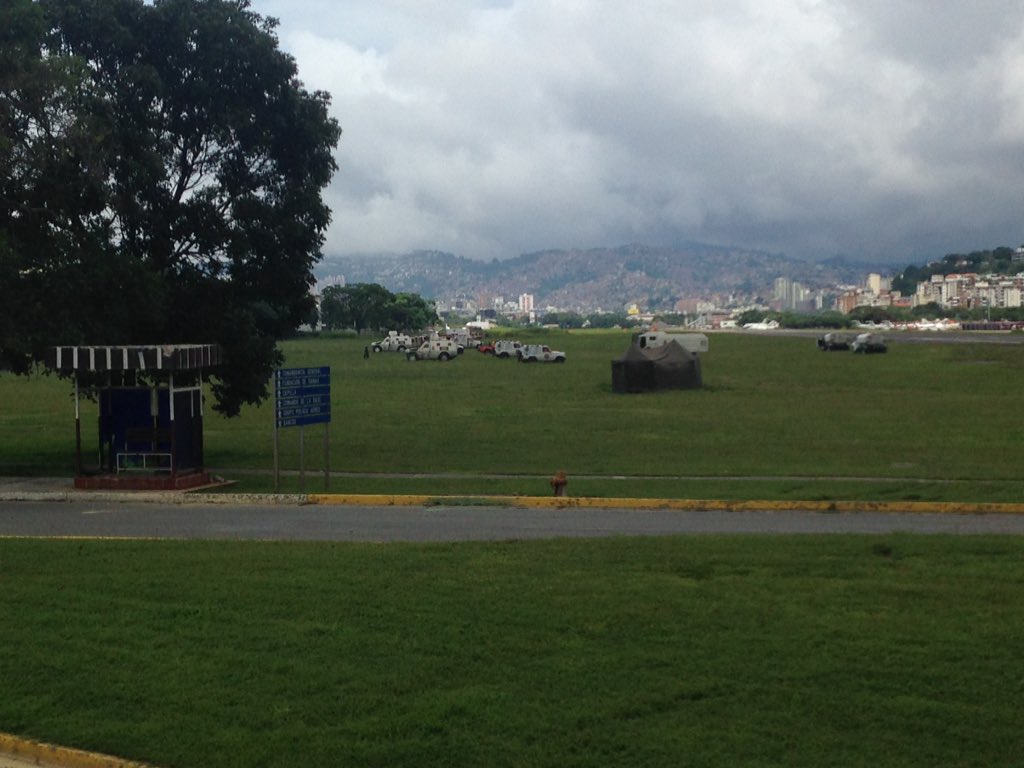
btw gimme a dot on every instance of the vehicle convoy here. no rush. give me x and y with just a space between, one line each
437 348
691 342
540 353
394 342
507 348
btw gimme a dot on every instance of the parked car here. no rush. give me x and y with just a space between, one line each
486 348
540 353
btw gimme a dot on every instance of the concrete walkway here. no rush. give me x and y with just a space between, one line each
16 752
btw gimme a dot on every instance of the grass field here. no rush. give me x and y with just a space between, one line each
679 651
686 651
775 419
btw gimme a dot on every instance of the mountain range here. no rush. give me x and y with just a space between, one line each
610 279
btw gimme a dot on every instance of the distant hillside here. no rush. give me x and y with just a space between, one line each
599 278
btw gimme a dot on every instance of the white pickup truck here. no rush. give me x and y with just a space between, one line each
540 353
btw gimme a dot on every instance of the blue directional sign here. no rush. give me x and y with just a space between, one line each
302 396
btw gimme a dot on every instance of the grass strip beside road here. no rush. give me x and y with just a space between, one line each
717 651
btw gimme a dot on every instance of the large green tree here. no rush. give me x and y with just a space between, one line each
372 307
161 181
411 311
360 306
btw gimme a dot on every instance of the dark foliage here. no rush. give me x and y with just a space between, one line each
161 182
372 307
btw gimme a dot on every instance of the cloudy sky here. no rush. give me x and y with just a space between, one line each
489 128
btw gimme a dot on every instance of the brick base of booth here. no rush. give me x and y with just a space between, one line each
124 482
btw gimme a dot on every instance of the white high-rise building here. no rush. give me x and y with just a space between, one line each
877 284
781 290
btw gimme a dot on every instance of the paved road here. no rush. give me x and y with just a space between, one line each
470 523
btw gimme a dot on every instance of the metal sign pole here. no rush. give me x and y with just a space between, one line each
277 429
277 469
78 434
327 456
302 459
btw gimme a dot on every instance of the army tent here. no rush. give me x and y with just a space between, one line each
665 367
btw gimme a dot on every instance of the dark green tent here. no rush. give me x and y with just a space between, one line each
666 367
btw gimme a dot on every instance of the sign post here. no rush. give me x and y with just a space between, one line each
302 396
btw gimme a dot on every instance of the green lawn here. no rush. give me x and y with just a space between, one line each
776 419
683 651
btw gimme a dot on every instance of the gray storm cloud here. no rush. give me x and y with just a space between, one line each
868 128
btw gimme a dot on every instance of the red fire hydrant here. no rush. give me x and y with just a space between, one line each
558 483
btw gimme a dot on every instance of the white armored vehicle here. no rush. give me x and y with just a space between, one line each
507 348
393 342
540 353
437 348
868 343
691 342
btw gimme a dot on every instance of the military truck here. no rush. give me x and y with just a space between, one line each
437 348
868 343
691 342
507 348
830 342
540 353
393 342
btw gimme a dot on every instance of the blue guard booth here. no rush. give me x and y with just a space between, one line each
150 412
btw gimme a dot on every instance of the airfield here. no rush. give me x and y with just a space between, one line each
207 633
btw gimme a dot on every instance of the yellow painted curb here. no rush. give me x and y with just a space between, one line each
591 502
43 754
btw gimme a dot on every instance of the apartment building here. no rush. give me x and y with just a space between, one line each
970 291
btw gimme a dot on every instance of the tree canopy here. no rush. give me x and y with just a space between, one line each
372 307
161 177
